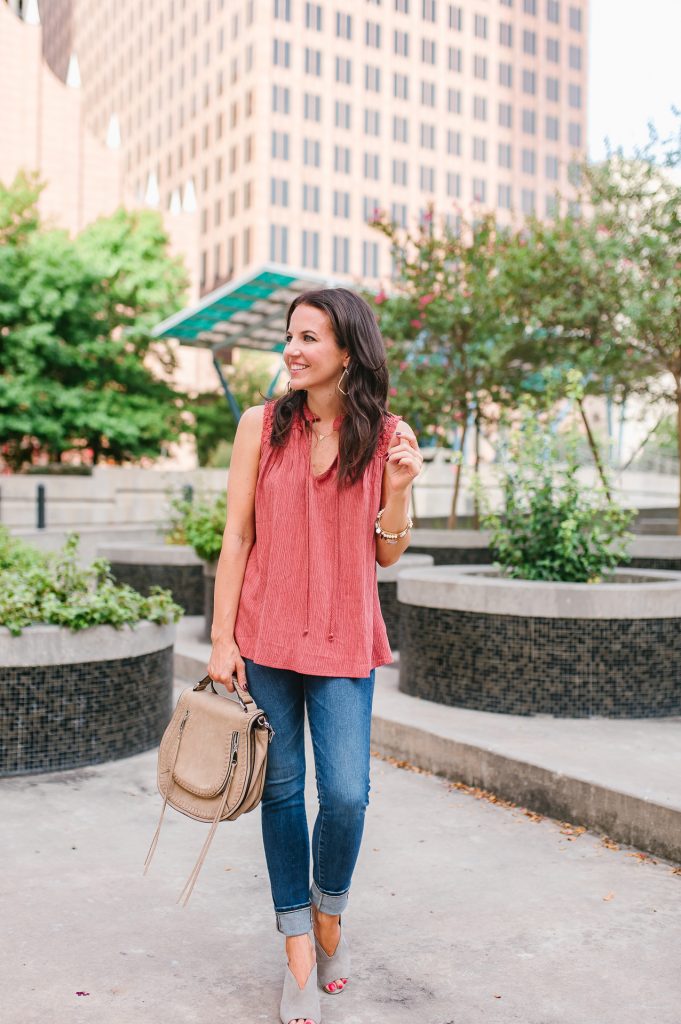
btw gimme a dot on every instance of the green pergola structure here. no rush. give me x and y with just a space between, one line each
247 312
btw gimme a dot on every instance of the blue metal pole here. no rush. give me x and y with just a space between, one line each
233 404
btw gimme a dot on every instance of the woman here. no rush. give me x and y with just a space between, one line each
322 478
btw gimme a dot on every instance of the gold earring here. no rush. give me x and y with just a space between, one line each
288 388
339 381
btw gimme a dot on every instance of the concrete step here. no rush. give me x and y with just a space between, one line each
621 777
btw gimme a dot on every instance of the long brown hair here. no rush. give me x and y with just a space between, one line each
366 382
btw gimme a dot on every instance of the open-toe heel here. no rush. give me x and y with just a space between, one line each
331 968
300 1003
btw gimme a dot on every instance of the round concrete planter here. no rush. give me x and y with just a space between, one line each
452 547
387 591
71 699
472 639
175 567
655 552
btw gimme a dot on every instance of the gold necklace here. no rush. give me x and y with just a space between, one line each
322 437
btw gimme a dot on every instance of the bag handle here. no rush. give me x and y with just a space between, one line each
243 696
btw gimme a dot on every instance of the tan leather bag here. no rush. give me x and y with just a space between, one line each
212 761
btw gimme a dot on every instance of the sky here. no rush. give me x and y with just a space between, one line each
634 71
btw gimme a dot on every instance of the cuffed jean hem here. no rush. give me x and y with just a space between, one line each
328 904
294 922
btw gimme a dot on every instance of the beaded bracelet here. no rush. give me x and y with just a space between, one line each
386 535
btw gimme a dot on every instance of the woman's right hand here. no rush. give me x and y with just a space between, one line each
226 661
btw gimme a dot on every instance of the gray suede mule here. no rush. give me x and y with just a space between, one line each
330 968
300 1003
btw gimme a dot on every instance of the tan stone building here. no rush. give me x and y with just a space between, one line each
287 123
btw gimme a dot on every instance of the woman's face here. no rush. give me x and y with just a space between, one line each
312 356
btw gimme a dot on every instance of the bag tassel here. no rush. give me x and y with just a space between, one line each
171 783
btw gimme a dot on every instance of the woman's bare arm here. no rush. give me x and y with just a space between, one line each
237 541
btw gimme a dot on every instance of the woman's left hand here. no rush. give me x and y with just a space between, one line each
403 462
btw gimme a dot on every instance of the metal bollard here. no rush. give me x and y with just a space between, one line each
40 506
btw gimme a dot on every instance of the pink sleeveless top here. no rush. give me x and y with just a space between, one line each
309 600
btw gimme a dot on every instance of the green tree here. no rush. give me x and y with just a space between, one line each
80 369
445 326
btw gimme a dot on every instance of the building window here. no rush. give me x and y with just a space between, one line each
480 66
341 255
282 10
279 191
278 243
372 122
574 134
310 198
479 190
504 196
530 6
310 249
575 19
505 115
311 152
398 214
400 87
428 94
553 50
553 90
281 53
552 126
505 154
479 149
529 82
551 167
455 58
529 161
454 101
402 6
575 96
400 129
575 173
343 25
341 204
506 75
575 58
344 70
529 42
370 209
453 143
505 33
401 43
370 259
281 99
553 11
427 137
372 166
527 200
480 108
400 172
372 35
280 146
343 115
453 184
312 107
341 159
529 122
428 10
480 26
428 51
313 61
551 206
456 17
313 17
372 78
427 179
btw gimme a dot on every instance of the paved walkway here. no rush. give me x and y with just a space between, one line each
463 911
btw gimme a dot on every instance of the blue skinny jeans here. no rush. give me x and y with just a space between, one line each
339 714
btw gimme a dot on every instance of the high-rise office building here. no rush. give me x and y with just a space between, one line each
289 123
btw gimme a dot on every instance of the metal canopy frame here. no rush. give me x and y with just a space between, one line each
247 312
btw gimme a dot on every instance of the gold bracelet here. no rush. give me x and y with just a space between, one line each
386 535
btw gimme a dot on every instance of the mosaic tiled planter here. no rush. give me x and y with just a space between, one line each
72 699
452 547
572 650
387 591
175 567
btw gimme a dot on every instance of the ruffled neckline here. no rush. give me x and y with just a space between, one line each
311 418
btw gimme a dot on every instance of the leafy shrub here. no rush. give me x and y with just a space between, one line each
199 523
550 527
52 588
